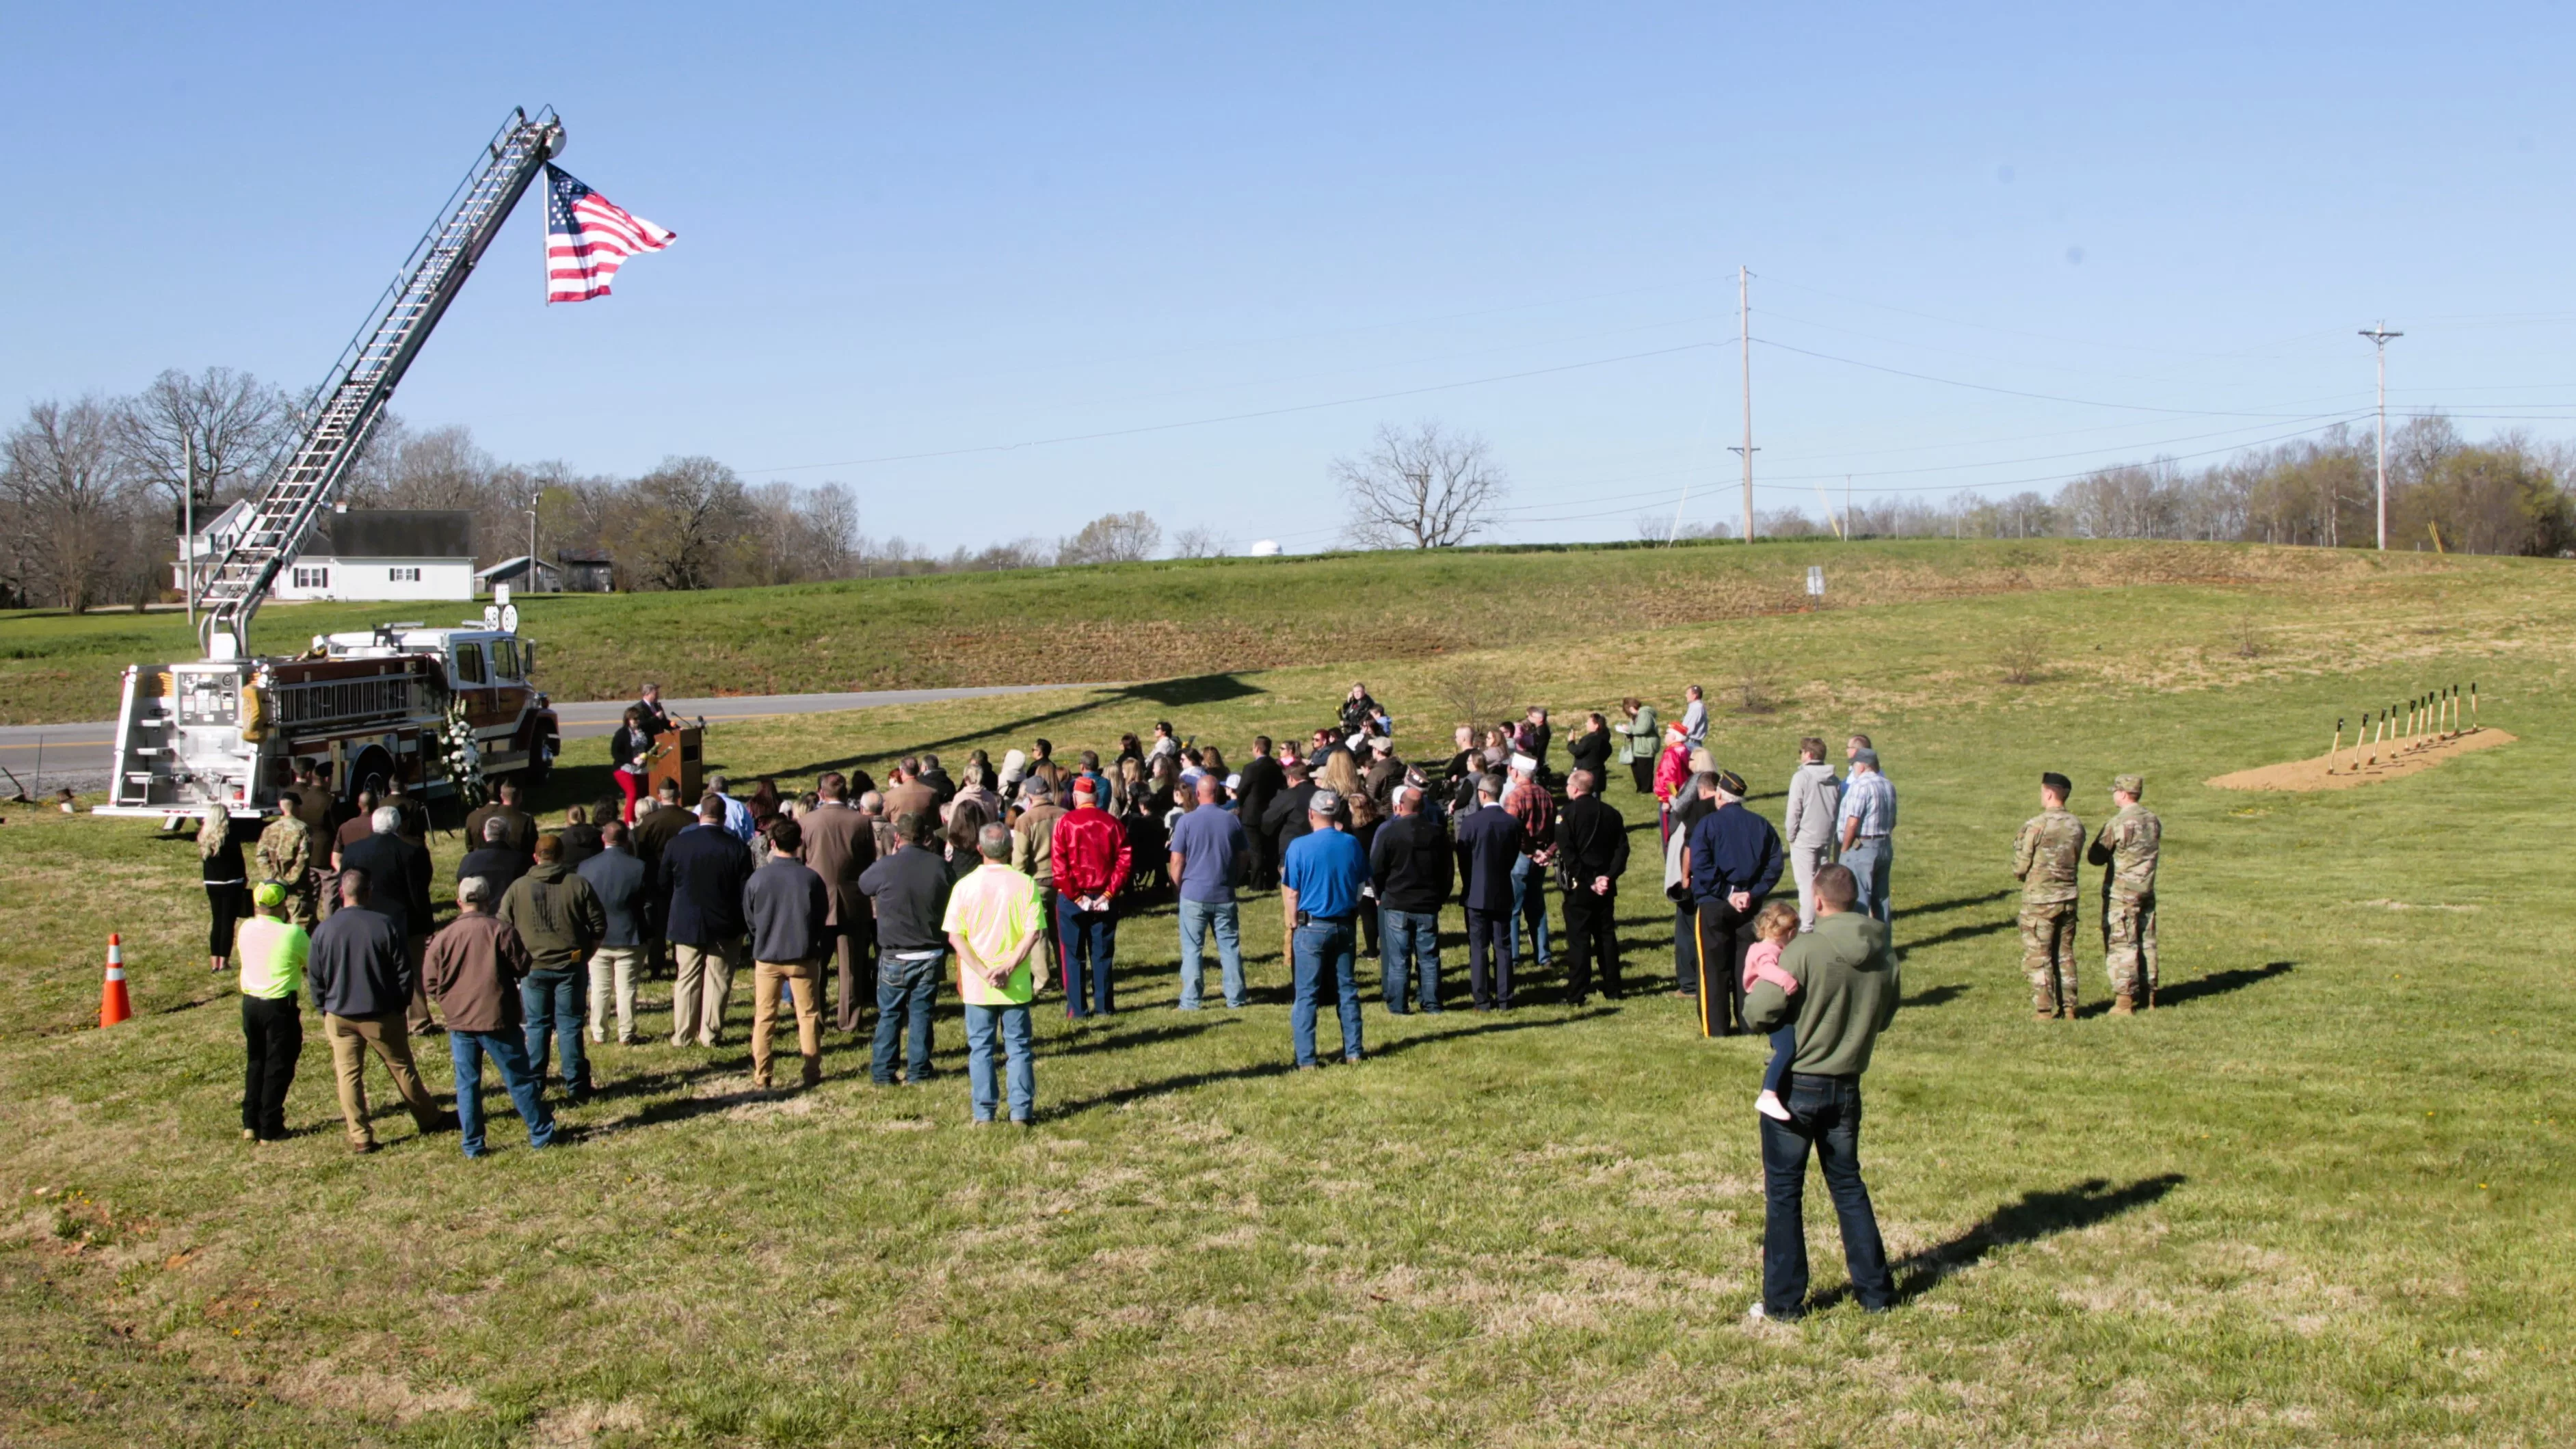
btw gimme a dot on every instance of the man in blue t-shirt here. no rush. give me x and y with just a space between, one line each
1320 880
1209 849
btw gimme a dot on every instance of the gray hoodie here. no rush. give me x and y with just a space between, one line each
1815 799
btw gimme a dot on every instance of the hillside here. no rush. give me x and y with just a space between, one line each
1157 620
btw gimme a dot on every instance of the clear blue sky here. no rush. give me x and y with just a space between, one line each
920 230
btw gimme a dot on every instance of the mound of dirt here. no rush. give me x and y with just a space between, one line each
2339 772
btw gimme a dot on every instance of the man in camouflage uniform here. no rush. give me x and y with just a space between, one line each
286 857
2048 859
2127 850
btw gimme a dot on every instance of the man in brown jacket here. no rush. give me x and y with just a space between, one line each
474 968
839 844
910 794
1032 855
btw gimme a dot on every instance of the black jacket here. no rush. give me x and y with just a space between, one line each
1285 820
703 871
1591 842
1259 783
397 880
357 966
910 889
499 864
1411 864
1590 752
1489 845
580 843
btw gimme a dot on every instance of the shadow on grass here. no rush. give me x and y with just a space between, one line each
2219 983
1959 933
1148 1037
1187 1081
2033 1216
1935 996
1195 689
1928 908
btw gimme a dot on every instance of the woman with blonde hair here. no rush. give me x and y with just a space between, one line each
219 859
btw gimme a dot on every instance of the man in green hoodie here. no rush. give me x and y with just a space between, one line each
560 920
1847 990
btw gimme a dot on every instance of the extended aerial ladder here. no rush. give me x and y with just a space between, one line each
345 409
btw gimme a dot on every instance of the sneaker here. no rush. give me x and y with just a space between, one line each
1768 1104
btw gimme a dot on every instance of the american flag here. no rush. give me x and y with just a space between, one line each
588 237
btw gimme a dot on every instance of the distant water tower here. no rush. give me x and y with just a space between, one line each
1266 548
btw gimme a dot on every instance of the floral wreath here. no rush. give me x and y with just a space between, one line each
461 755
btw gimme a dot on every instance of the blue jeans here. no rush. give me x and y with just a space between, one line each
1824 1114
1090 939
905 990
553 1002
1323 946
1412 946
466 1050
1529 907
1196 917
1869 860
1013 1024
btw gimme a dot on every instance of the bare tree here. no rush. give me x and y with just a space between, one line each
1113 538
1423 488
230 424
1201 541
67 500
679 522
1478 693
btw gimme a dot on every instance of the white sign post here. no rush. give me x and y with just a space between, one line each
1815 581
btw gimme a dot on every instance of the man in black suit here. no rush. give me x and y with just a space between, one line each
1489 845
399 872
703 871
1592 850
1256 786
1285 821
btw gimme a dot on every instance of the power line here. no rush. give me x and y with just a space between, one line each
2006 391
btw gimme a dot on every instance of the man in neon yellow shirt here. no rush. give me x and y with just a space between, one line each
272 951
992 922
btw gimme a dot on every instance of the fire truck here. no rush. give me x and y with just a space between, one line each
441 709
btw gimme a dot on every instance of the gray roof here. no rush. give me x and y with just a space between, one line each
395 533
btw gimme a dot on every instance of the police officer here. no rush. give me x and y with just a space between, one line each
2127 850
2048 857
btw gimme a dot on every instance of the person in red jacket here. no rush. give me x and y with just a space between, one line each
1672 778
1091 858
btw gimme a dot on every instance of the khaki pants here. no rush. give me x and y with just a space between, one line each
613 967
765 979
703 986
351 1037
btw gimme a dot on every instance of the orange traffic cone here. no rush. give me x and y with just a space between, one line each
113 1005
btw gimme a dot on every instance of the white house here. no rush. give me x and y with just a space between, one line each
390 554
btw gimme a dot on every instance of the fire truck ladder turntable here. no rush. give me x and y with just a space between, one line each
344 410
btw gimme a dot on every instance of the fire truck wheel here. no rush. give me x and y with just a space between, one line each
541 767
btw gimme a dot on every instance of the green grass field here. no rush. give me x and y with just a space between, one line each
2322 1195
1160 620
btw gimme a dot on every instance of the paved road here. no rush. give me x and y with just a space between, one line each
77 754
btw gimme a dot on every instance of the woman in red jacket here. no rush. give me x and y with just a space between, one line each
1672 777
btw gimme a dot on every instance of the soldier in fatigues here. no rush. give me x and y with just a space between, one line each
2127 850
286 857
2048 859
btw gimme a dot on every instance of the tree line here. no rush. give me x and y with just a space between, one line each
93 494
2507 495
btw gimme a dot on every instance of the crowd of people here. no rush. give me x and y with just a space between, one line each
1005 880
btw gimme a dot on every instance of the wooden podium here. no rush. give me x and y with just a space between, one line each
681 758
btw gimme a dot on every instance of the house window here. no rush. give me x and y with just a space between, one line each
403 576
312 578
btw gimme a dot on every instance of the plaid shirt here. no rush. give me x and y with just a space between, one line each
1531 806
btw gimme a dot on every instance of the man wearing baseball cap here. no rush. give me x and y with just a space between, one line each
2127 850
1320 880
272 952
1091 857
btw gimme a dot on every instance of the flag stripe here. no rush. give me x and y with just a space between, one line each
588 238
